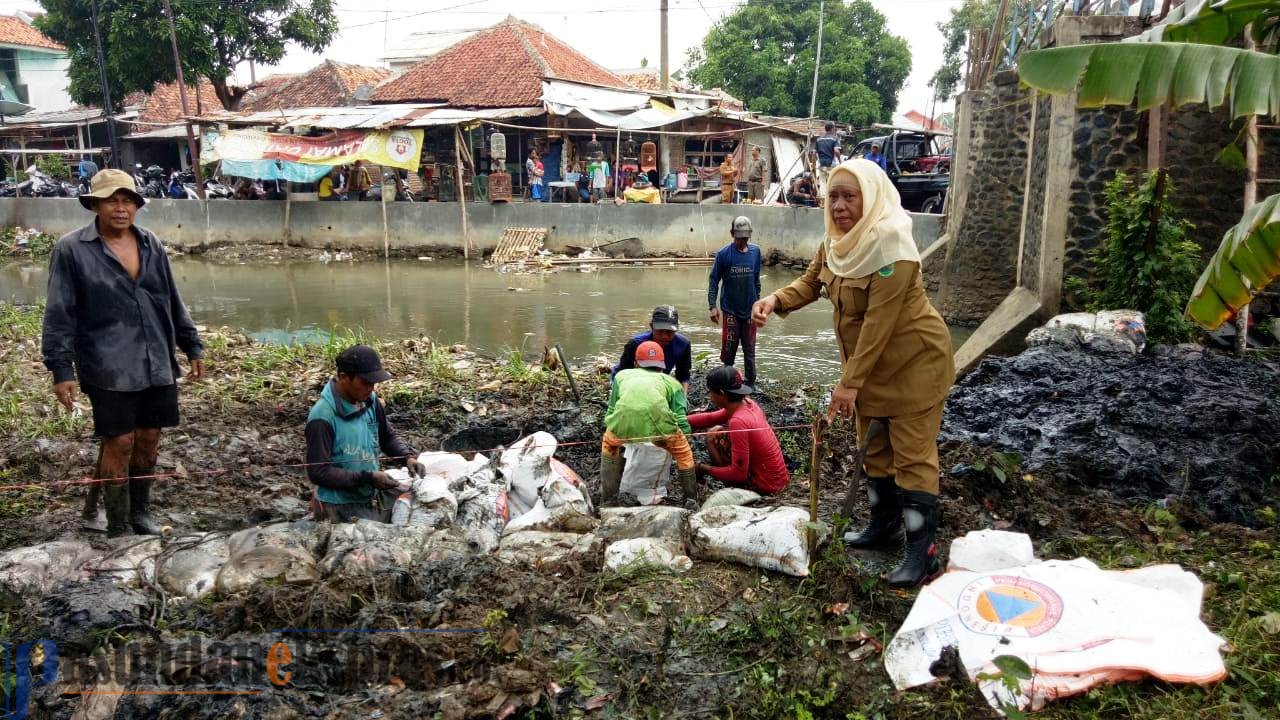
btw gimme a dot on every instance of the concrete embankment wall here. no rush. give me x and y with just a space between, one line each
660 229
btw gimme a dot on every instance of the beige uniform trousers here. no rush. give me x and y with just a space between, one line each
908 452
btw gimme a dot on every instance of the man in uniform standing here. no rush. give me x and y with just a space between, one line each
114 318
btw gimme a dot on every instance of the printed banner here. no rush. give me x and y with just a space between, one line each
399 148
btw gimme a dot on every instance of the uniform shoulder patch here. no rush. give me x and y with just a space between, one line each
886 271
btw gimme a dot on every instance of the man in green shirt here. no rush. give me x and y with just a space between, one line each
646 404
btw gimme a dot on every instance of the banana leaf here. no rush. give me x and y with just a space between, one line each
1158 72
1214 22
1246 261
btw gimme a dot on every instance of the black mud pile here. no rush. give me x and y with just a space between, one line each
1171 423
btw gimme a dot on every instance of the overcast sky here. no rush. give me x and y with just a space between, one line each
614 33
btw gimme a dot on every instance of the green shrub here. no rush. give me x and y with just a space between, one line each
1140 264
55 166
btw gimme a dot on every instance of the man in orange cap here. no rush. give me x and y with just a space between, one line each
645 403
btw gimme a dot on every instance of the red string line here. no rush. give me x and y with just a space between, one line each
385 458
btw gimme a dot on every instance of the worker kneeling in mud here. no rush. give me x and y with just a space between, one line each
347 432
645 403
743 448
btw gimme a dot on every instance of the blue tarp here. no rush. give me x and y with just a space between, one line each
275 170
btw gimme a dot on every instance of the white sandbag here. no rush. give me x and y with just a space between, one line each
768 538
191 570
563 475
1074 624
987 550
655 552
451 467
368 546
284 552
731 496
131 561
483 508
647 473
659 521
537 549
428 503
566 518
39 567
1109 331
526 467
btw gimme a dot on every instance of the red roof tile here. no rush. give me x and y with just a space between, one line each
164 104
16 31
502 66
329 84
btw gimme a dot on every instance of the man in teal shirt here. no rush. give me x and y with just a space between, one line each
646 405
347 434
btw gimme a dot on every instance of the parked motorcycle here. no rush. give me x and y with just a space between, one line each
154 185
214 190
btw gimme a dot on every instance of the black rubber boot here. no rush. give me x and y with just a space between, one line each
920 516
116 499
885 528
611 477
93 517
689 486
139 498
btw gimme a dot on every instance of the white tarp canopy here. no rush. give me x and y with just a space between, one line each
786 153
623 109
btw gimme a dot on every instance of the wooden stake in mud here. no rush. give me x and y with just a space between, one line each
564 363
819 432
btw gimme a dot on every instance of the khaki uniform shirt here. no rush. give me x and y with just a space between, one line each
895 348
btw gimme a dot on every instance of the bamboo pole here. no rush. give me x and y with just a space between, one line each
462 191
1250 199
815 472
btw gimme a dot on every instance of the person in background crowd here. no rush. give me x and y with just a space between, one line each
728 179
326 191
735 278
895 353
877 157
114 318
802 191
348 434
828 149
534 169
359 181
599 171
676 348
757 169
88 168
646 404
642 192
748 454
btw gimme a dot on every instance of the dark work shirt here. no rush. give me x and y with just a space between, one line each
117 334
735 278
826 147
678 356
320 436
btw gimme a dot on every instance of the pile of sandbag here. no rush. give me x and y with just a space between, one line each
645 536
768 538
1120 331
1073 624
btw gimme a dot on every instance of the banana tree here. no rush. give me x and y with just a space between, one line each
1180 62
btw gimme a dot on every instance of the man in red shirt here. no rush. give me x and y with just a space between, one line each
748 455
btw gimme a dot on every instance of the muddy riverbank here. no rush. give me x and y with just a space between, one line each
575 641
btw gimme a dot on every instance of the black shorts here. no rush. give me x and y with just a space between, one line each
119 413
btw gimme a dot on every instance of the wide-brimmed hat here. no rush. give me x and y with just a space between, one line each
107 183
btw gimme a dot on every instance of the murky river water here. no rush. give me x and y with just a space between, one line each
588 313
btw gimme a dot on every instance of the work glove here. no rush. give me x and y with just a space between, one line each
383 481
416 468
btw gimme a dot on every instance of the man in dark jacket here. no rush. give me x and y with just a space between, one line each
347 437
114 318
676 348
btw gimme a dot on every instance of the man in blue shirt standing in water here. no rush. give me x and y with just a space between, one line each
735 277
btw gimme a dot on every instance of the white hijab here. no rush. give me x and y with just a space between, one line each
881 237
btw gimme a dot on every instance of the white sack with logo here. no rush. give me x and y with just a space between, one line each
1074 624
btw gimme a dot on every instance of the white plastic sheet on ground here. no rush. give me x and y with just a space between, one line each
653 552
647 473
768 538
1074 624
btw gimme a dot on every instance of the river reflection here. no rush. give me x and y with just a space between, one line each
590 313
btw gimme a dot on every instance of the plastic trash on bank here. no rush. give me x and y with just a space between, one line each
1074 624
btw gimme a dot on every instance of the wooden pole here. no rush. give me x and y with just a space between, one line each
617 161
462 193
815 471
182 94
1250 199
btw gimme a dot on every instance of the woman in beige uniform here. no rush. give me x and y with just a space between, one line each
895 355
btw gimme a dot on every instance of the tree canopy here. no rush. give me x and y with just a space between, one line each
764 53
955 36
213 38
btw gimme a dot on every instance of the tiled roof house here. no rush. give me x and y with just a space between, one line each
32 66
502 66
164 104
329 84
